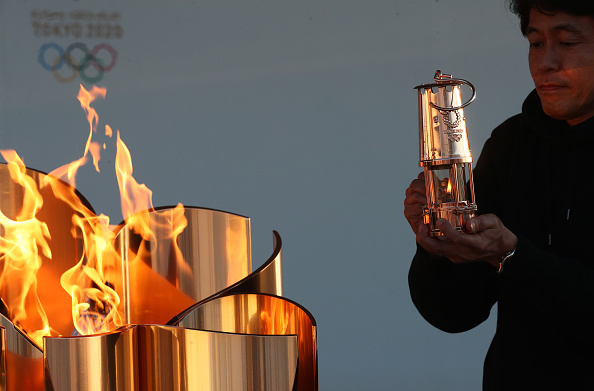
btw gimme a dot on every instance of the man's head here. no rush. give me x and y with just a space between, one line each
573 7
561 56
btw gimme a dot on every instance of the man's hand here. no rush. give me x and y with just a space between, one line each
485 239
414 202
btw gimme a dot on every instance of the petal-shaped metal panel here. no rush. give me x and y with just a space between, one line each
166 272
267 280
23 360
242 337
261 314
151 358
57 213
268 277
99 362
2 359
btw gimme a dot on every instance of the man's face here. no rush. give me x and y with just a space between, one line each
562 64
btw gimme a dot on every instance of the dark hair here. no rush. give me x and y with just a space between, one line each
574 7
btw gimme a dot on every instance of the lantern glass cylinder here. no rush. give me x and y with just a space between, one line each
449 195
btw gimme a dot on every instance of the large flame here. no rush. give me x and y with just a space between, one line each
137 199
158 230
23 240
68 171
95 302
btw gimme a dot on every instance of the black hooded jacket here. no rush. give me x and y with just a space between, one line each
536 174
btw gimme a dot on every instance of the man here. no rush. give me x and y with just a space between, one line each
530 248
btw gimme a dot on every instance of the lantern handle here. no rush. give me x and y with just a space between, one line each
444 78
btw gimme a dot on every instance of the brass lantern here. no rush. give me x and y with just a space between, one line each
445 153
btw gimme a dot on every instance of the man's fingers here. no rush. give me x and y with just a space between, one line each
454 236
416 201
446 228
416 186
481 223
430 244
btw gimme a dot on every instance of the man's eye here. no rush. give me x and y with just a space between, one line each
569 43
535 45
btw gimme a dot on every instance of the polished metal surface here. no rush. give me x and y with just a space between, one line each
444 152
192 268
444 78
2 359
22 359
266 315
57 213
154 358
98 362
442 125
162 274
267 279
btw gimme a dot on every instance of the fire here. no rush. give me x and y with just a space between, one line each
86 98
137 202
135 197
158 230
94 301
68 171
24 239
96 305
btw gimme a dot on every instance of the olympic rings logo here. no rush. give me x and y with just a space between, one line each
78 59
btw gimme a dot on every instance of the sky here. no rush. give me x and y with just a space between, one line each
299 115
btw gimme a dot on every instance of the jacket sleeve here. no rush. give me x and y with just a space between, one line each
451 297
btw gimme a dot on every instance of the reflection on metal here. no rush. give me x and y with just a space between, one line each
98 362
66 250
262 314
22 360
158 280
444 152
268 277
2 359
228 329
152 358
267 280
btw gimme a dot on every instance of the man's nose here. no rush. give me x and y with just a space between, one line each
550 59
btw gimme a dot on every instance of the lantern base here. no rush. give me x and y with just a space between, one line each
455 215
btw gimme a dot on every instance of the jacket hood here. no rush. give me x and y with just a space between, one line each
561 151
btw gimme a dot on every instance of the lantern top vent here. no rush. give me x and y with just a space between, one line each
443 80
